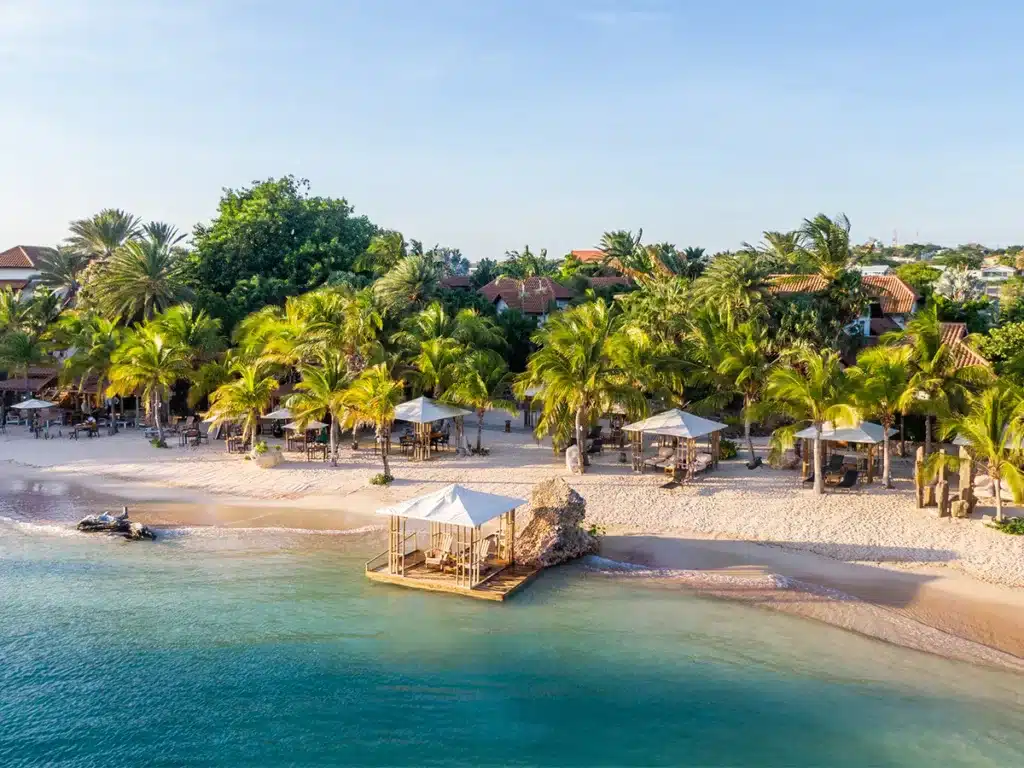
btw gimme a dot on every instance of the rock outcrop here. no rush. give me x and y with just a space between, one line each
553 532
118 525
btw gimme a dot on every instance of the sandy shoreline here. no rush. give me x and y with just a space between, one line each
914 580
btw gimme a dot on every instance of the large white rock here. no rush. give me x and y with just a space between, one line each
553 530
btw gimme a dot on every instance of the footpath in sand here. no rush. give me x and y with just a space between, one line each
885 550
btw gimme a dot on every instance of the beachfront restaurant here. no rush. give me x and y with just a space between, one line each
446 548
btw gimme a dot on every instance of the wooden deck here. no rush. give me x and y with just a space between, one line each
498 588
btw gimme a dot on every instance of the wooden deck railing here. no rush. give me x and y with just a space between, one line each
378 561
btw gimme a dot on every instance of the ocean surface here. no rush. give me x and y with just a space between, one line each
220 647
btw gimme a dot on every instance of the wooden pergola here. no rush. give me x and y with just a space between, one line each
423 412
457 555
686 429
866 433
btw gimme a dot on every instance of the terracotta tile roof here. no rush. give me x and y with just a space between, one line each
895 296
532 296
954 334
604 282
588 255
23 256
457 281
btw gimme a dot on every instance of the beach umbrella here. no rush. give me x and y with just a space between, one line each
28 405
423 410
308 426
281 413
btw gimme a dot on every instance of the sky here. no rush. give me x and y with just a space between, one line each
491 124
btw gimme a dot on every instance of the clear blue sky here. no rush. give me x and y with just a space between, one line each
488 124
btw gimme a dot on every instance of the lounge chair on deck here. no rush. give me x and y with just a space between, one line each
438 557
848 481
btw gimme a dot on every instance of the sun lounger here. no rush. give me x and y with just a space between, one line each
848 481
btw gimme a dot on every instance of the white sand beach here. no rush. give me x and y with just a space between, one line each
958 576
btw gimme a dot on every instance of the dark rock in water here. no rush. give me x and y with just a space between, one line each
120 524
553 532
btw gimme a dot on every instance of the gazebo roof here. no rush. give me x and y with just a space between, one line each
312 424
423 410
676 423
865 432
280 413
34 404
454 505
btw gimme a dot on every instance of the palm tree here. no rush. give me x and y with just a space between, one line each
814 391
372 399
95 340
467 326
650 365
938 385
880 379
162 235
576 371
322 391
61 270
435 365
194 329
140 279
148 362
15 311
480 380
245 397
105 233
748 358
20 350
994 428
410 284
784 250
384 252
735 287
827 244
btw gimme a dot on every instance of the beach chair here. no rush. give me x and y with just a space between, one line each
440 556
483 552
848 481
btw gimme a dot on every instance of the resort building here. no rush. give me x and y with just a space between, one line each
993 277
18 267
892 304
534 296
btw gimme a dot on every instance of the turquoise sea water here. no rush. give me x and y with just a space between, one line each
249 648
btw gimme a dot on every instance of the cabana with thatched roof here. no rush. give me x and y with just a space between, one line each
423 412
456 556
686 429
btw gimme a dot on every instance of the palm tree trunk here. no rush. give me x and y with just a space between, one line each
927 434
886 460
903 439
999 498
479 428
746 427
156 419
383 449
819 479
334 441
581 443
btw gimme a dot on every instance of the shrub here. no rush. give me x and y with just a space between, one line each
260 448
156 442
727 449
1013 526
381 479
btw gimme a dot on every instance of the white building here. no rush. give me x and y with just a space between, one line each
18 266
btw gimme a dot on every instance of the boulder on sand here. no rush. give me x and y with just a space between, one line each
554 531
115 524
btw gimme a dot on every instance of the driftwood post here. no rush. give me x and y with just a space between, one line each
919 477
804 461
871 464
942 497
967 478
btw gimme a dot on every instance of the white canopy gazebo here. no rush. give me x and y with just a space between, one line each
866 433
281 414
684 427
457 553
423 412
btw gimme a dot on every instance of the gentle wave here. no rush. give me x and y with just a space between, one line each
199 531
609 567
49 529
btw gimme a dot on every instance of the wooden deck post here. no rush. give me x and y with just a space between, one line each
871 464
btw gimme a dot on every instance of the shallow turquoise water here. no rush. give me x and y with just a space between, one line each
216 648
